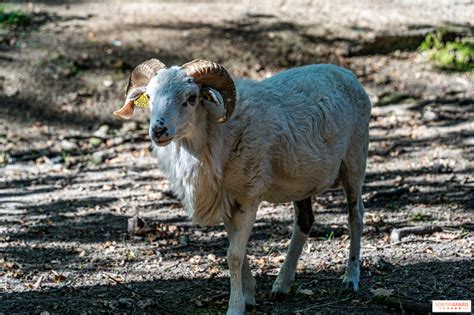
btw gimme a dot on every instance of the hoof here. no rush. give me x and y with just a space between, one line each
350 285
249 307
279 296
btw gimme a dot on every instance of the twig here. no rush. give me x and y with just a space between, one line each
389 193
172 266
404 305
424 286
44 300
125 287
409 241
66 284
397 234
219 296
136 292
324 304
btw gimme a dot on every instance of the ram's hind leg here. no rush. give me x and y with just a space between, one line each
352 178
302 225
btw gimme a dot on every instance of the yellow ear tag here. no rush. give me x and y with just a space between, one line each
142 101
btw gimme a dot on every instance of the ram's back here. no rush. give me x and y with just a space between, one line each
295 128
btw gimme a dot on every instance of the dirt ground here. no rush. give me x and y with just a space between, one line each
71 175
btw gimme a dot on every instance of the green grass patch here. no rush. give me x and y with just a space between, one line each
419 217
13 18
389 98
457 55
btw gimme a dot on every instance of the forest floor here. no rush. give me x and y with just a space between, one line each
71 175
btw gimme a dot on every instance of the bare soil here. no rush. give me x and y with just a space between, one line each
72 175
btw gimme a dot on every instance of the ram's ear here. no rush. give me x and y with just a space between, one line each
213 101
126 112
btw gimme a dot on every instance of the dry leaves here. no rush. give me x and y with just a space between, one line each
306 292
382 292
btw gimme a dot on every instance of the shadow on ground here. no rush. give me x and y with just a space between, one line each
421 283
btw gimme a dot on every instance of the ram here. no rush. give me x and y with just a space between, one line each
227 145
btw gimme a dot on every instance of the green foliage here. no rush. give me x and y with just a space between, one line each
13 18
388 98
4 157
421 217
457 55
328 237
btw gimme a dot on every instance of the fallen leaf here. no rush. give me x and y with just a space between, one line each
306 292
381 292
59 278
428 250
211 257
145 303
278 259
38 282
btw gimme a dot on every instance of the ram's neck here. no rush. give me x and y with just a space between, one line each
203 150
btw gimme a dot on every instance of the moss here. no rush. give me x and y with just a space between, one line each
389 98
457 55
13 18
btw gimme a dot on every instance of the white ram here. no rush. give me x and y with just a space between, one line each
291 136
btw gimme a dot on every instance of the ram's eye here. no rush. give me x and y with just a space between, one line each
191 99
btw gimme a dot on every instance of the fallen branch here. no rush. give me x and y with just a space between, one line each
136 292
409 241
321 305
403 305
397 234
389 193
125 287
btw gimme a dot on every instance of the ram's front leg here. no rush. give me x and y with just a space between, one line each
238 229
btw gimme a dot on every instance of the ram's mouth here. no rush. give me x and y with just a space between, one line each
162 143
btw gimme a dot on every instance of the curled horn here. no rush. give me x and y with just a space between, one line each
215 76
139 78
143 73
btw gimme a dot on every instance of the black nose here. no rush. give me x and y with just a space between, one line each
158 131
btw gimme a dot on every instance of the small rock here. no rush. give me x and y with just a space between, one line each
99 157
382 264
145 303
95 141
10 90
129 126
71 97
56 159
184 240
382 292
137 226
117 42
116 141
108 83
68 145
85 92
90 267
102 132
306 292
125 301
430 116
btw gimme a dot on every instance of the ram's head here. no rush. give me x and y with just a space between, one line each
173 94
